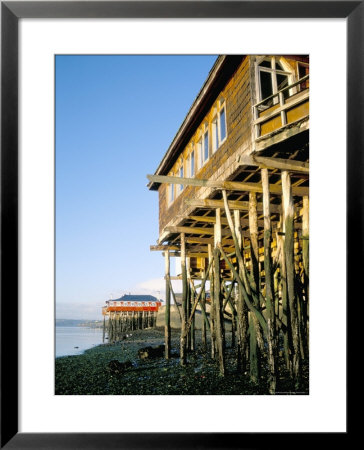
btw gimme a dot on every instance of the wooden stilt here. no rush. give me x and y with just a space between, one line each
285 306
288 211
192 297
253 323
183 341
220 332
188 303
269 290
242 312
103 329
167 325
203 302
305 260
108 327
212 302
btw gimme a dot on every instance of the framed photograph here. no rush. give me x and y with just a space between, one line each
260 123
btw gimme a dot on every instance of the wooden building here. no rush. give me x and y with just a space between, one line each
233 192
127 313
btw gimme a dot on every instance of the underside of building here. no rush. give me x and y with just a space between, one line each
234 207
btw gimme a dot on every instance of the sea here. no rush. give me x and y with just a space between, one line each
75 340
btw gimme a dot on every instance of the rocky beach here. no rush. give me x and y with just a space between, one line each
122 369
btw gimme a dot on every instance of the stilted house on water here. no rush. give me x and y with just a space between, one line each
129 312
233 205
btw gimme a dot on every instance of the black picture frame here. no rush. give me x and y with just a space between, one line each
11 12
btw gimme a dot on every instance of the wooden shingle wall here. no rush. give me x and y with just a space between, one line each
237 96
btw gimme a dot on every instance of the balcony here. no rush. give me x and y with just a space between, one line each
282 114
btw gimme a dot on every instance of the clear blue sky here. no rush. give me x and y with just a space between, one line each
115 118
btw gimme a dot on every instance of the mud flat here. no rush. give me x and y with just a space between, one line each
92 373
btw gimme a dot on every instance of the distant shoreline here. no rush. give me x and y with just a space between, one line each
79 323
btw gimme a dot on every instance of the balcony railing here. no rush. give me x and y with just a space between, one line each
285 107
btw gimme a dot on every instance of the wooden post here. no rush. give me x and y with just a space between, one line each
220 332
167 324
288 210
269 290
253 323
242 311
285 306
305 258
192 300
183 341
109 329
188 303
203 303
103 329
212 302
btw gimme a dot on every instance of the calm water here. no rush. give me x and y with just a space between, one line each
67 338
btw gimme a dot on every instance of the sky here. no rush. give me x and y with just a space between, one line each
115 119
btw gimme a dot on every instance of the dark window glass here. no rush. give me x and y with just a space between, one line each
282 81
206 146
266 84
266 64
222 124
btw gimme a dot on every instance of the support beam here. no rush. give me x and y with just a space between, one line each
226 185
233 204
163 248
244 222
195 230
282 164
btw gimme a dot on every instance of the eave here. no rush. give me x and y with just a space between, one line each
221 72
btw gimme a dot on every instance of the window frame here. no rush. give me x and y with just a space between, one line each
204 133
304 64
181 168
215 133
222 108
216 140
191 164
273 71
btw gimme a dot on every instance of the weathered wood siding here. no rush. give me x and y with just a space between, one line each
237 96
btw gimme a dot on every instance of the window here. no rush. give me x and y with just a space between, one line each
206 146
190 168
181 175
215 135
219 126
192 163
272 77
222 124
303 70
200 153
